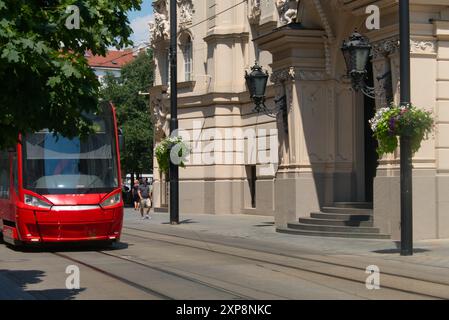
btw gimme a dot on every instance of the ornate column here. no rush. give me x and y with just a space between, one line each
283 81
382 66
299 72
424 66
159 108
441 30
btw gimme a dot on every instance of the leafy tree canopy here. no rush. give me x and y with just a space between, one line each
133 112
46 80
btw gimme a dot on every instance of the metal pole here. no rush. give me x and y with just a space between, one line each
174 169
406 152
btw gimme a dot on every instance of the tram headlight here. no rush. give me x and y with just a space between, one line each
112 200
36 202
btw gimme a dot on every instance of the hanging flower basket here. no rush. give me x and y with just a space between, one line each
391 123
163 153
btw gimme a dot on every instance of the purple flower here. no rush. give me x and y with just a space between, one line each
392 126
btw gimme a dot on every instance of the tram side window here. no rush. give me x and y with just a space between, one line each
4 175
15 174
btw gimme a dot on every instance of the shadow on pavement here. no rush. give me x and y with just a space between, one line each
186 221
398 251
72 247
264 224
23 278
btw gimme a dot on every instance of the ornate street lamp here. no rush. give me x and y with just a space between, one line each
256 82
357 53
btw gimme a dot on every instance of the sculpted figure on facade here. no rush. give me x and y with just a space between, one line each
383 73
254 11
185 11
288 10
161 117
160 28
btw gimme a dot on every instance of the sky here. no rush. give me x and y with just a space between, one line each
139 22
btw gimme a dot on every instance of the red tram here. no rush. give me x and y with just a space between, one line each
54 189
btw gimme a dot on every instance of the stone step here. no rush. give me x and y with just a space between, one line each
339 229
333 234
333 222
341 216
359 205
346 210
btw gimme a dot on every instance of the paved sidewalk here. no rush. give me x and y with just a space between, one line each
259 231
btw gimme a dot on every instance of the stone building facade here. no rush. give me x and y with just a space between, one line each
325 153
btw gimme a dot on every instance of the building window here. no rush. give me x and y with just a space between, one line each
188 59
252 181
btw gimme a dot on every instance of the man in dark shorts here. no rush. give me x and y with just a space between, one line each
145 196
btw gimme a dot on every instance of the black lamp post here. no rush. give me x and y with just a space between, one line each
174 169
356 52
405 142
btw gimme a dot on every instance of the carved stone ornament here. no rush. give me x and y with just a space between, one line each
292 73
254 11
288 10
422 46
385 48
390 46
161 116
160 28
185 12
283 75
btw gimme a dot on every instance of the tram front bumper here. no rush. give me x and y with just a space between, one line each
72 224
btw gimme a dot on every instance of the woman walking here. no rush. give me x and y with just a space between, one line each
136 197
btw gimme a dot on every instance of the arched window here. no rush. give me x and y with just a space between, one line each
187 52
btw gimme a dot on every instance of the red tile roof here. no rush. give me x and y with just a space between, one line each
113 59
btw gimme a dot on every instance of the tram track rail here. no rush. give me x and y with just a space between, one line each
115 276
191 279
154 268
343 271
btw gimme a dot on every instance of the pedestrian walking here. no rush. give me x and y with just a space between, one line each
135 193
145 195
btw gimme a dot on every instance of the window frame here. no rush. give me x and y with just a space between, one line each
188 58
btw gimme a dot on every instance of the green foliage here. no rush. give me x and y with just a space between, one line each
391 123
46 80
163 152
133 112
